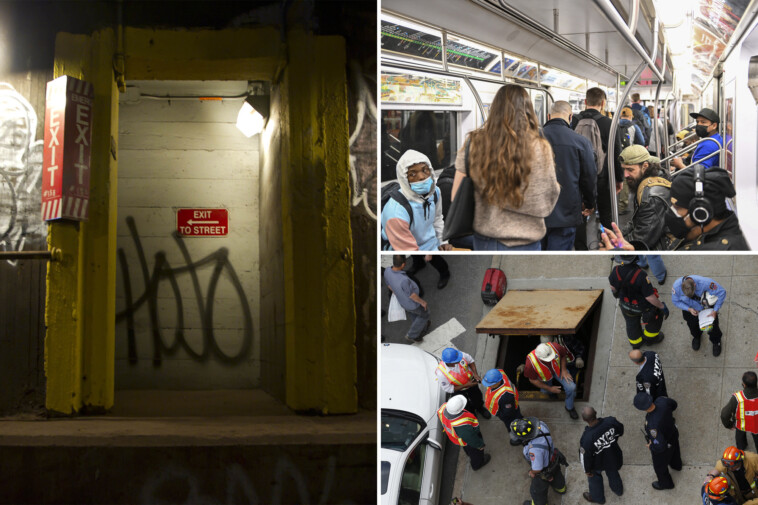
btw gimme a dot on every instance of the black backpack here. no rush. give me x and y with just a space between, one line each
392 190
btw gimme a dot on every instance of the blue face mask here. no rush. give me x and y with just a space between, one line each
422 187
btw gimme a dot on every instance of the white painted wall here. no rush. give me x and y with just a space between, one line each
187 154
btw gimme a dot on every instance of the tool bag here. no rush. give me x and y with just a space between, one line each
494 285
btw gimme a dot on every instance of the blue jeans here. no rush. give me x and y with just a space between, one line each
569 387
657 268
597 492
419 317
482 243
559 239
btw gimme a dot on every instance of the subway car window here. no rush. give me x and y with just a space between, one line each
433 133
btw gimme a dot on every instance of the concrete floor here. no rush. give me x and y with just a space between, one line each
191 418
700 383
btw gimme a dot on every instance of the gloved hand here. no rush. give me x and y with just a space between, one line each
665 311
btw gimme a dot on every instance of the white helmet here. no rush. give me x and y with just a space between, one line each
455 405
544 353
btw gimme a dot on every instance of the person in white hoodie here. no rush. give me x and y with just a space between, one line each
412 216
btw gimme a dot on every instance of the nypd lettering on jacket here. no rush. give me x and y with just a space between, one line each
605 441
599 449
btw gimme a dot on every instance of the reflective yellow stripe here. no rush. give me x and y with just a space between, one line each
452 379
561 490
648 334
536 365
740 415
633 342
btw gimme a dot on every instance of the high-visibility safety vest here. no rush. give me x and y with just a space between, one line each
459 376
542 369
747 413
464 419
492 396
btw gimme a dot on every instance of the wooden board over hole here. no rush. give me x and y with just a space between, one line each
540 312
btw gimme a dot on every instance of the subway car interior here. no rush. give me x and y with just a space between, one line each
443 62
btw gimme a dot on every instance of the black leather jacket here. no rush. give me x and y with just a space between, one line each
727 236
647 225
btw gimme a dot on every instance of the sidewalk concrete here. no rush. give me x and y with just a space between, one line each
700 383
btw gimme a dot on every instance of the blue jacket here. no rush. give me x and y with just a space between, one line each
705 148
576 173
639 137
702 284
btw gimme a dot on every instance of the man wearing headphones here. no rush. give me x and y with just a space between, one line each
698 216
695 295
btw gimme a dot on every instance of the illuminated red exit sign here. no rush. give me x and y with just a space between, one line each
202 222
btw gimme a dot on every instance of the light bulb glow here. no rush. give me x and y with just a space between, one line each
249 121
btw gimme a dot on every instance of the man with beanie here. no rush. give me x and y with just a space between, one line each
700 299
707 127
649 188
741 413
662 437
720 230
462 428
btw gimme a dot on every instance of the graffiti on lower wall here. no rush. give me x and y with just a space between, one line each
21 224
363 140
239 487
162 271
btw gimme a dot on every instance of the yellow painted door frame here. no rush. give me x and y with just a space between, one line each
318 279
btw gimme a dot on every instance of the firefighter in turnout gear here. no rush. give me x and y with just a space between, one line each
741 413
543 458
639 303
662 437
740 468
462 428
649 378
501 399
599 452
457 373
547 362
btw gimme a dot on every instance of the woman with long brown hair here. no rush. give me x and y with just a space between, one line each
513 173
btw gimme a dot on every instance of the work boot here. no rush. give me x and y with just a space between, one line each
572 413
695 343
487 459
443 280
414 340
657 485
484 413
716 348
586 495
661 282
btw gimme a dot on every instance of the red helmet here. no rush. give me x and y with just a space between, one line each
717 488
732 456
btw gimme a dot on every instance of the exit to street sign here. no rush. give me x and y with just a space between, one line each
202 222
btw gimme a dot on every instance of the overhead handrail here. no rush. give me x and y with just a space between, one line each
634 16
655 116
612 141
476 97
617 21
692 147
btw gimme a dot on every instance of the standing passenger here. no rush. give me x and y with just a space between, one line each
577 175
513 173
595 104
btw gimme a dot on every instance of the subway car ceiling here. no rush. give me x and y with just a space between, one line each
585 42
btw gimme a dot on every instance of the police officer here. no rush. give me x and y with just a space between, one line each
740 468
462 428
457 373
501 399
715 491
694 294
544 459
548 362
741 412
650 377
662 437
599 451
639 301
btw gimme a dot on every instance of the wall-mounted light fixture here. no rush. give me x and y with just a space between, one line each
254 113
